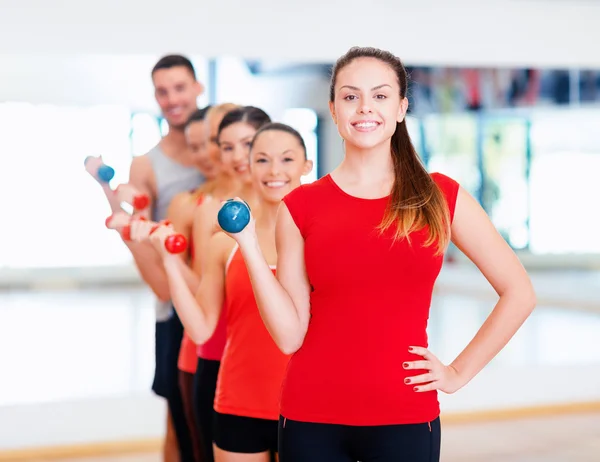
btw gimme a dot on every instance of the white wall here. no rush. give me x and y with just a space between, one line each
83 79
493 32
275 93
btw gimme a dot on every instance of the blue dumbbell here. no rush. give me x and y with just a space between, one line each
105 173
234 216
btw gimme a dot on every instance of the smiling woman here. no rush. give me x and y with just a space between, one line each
371 307
252 367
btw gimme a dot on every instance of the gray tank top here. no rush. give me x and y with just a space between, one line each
172 178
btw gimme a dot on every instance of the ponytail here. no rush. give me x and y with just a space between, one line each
416 201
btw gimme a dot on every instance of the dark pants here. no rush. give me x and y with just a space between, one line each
312 442
166 381
186 385
205 385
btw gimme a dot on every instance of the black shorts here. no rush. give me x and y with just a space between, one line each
316 442
167 344
166 381
205 385
246 435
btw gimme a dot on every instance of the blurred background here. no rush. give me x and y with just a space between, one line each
504 97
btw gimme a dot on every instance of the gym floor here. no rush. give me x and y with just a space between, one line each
568 438
79 364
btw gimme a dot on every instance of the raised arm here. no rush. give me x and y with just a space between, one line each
283 301
92 165
475 235
147 260
180 213
200 312
203 229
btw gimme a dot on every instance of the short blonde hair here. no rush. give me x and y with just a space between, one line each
220 109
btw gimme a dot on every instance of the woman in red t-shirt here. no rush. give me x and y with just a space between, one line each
252 367
359 251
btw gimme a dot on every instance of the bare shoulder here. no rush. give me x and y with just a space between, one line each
141 174
182 207
141 165
182 201
208 210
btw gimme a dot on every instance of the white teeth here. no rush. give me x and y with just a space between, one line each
366 125
275 184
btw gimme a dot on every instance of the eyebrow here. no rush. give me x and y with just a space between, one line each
372 89
246 138
281 153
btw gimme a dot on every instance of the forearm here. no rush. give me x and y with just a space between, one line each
192 279
151 268
275 305
112 198
197 325
508 316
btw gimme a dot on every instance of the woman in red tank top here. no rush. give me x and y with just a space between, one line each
359 251
224 144
230 134
252 367
181 214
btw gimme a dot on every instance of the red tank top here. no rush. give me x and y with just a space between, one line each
369 302
213 348
188 359
252 367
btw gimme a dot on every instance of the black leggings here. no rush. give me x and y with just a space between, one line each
166 381
313 442
205 385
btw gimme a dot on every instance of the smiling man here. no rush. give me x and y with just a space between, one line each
165 171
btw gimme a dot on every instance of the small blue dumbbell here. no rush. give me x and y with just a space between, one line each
234 216
105 173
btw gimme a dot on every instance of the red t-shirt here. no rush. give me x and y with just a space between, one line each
252 367
370 301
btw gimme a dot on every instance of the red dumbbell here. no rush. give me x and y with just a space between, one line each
122 221
174 243
128 194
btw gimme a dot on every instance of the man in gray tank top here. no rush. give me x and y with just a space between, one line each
165 171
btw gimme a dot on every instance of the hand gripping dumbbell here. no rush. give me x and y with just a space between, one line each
234 216
174 243
98 169
128 194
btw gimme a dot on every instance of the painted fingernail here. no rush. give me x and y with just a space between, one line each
411 349
405 365
406 380
416 389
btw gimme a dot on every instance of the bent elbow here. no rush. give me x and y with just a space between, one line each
530 298
201 334
290 346
526 297
196 337
163 295
289 349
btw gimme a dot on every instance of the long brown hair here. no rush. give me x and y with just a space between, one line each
416 201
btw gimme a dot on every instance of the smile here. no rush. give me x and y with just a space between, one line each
367 125
275 184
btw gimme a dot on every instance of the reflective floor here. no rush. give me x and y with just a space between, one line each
574 438
81 363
